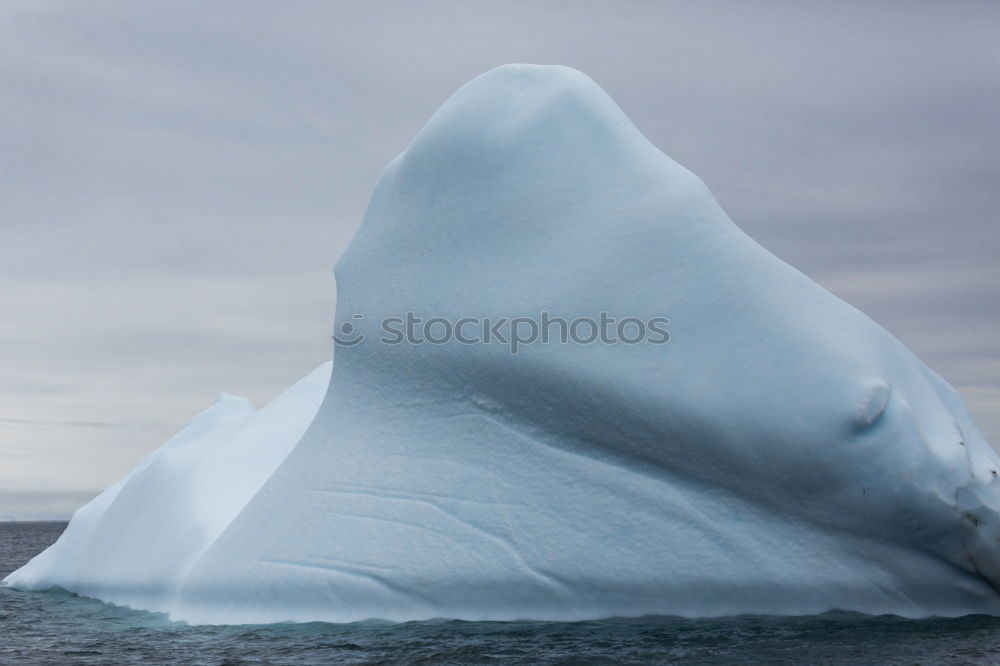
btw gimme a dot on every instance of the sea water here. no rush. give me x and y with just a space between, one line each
60 628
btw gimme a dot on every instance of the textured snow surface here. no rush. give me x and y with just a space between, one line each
782 454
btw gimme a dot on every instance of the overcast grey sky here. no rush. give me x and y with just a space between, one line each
178 178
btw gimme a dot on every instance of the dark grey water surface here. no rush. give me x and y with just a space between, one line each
60 628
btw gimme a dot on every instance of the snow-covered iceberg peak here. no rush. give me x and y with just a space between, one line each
782 454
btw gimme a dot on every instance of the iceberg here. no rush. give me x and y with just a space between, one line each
782 454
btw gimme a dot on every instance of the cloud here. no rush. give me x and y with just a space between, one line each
179 178
59 424
42 505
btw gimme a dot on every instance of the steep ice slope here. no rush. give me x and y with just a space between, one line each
782 454
134 542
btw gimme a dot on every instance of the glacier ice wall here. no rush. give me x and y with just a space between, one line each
782 454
